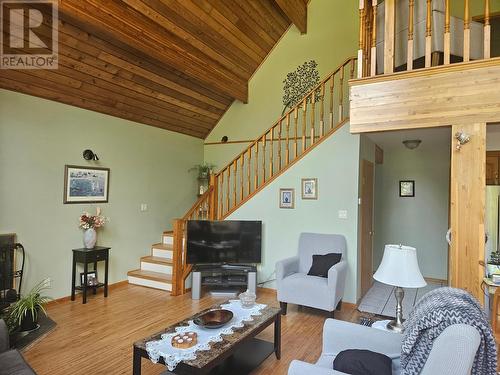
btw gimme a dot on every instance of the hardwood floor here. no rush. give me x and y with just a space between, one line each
97 338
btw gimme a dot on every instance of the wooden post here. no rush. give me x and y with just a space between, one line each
212 205
256 167
466 31
409 56
313 114
361 37
467 209
373 52
389 35
287 151
177 269
304 123
487 30
447 35
271 153
428 35
322 112
296 121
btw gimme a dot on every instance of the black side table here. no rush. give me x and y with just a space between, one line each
86 256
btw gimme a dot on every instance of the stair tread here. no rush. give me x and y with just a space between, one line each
157 260
162 246
151 275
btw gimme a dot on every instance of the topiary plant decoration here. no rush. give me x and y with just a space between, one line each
300 82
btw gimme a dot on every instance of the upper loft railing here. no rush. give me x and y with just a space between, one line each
403 35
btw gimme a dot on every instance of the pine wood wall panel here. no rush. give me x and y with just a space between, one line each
176 65
467 209
441 96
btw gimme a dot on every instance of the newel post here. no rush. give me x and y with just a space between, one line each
213 199
177 269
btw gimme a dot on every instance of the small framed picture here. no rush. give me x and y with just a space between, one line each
309 188
85 184
407 188
287 198
91 278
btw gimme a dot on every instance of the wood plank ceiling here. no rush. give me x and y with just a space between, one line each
173 64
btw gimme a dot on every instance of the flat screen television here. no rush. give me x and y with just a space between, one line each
223 242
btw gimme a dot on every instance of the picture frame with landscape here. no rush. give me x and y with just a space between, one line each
86 184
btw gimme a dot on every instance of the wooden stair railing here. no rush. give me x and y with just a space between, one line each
318 115
368 34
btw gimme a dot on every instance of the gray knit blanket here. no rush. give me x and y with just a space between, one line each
434 312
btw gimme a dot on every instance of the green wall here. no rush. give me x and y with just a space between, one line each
335 164
332 33
421 221
148 165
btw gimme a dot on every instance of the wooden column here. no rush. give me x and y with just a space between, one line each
428 35
409 55
389 35
466 31
361 37
373 52
487 30
177 271
447 35
467 209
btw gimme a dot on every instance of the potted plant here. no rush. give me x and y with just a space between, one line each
24 313
494 263
204 172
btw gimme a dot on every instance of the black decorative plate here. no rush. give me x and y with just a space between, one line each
213 318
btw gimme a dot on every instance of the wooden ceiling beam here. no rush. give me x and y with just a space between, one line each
296 11
119 23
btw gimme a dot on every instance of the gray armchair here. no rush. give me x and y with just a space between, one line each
295 286
452 353
11 361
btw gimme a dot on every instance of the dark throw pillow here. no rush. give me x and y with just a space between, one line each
322 263
362 362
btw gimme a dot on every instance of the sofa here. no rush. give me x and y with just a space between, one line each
452 353
11 361
295 286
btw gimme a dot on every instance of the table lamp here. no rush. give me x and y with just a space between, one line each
399 268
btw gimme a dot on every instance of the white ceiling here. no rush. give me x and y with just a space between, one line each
430 137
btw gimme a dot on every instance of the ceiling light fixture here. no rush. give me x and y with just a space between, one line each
412 144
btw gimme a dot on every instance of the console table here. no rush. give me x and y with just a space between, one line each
223 276
86 256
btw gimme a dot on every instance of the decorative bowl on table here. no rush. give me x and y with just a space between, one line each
247 299
213 318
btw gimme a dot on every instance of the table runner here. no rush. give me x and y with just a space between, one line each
172 356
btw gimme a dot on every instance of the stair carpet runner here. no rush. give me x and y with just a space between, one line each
156 269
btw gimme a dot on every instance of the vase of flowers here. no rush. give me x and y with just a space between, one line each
89 224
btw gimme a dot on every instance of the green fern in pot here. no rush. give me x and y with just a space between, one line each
24 313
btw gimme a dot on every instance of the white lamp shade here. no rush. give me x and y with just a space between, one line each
399 267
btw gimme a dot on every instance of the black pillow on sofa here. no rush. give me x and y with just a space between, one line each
362 362
322 263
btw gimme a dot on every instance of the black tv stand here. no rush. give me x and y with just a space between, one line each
223 276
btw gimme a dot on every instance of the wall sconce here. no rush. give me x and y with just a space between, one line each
89 155
412 144
462 138
224 139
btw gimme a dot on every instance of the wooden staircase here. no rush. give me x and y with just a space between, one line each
308 123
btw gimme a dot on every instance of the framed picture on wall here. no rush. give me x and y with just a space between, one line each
85 184
287 198
309 188
407 188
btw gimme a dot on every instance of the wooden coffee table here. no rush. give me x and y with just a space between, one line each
238 353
